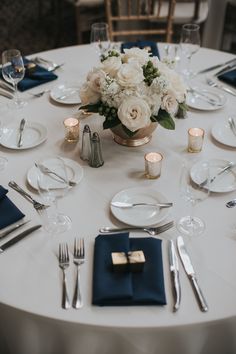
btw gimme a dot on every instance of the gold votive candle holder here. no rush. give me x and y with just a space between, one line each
71 130
153 162
195 139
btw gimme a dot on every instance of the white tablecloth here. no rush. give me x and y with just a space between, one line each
31 318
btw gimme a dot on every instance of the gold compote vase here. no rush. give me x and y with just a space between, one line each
141 137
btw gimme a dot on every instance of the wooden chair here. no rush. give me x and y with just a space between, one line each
129 18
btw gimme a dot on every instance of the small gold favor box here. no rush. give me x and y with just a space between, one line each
132 261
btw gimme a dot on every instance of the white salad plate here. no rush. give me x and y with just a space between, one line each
201 99
140 215
33 135
74 172
222 132
224 182
66 93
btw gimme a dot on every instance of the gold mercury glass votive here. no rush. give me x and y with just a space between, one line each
153 161
71 129
195 139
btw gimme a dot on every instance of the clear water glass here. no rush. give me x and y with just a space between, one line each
13 71
99 37
194 187
190 44
51 188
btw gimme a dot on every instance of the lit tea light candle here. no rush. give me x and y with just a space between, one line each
195 139
72 129
153 162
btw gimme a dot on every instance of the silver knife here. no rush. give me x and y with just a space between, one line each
22 126
174 270
215 66
18 238
191 273
226 69
12 228
7 86
131 205
6 94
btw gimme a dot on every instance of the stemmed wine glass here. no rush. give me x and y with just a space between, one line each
13 70
99 37
3 160
194 187
190 44
51 187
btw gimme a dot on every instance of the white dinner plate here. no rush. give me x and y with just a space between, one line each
33 135
67 93
140 215
225 182
222 132
196 101
74 172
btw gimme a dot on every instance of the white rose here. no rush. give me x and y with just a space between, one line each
88 96
130 75
111 65
178 87
134 113
137 54
169 103
95 78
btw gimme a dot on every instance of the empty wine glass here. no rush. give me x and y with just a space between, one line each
190 44
194 187
99 37
51 188
13 70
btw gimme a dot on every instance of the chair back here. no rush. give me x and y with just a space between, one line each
137 18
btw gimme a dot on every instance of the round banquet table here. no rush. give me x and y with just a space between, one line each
31 318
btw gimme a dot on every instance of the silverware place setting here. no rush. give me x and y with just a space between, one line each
153 231
38 206
213 83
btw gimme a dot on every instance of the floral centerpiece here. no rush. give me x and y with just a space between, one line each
133 90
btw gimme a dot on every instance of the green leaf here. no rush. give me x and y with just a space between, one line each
91 107
128 132
110 123
164 119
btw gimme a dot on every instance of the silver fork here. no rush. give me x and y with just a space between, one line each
215 84
153 231
38 206
79 259
232 125
45 169
64 263
38 94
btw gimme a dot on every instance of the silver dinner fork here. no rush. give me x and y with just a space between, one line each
232 125
38 206
64 263
153 231
79 259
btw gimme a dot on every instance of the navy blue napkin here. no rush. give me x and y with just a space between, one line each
9 213
229 77
116 288
151 46
34 78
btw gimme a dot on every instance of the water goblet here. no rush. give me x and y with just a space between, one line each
13 71
99 37
190 44
194 187
51 188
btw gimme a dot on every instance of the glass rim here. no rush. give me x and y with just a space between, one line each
99 25
191 26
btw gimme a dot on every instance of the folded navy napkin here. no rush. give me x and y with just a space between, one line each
229 77
118 288
151 46
9 213
34 78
